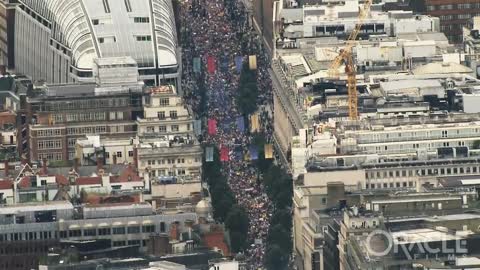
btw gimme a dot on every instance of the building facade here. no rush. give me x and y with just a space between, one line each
453 14
167 146
68 35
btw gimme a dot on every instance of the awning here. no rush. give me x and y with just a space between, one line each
148 221
73 226
103 224
89 225
133 222
117 223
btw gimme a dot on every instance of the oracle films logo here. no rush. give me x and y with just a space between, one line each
445 246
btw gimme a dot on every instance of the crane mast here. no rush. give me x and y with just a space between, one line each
345 57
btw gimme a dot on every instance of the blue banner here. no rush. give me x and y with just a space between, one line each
209 154
241 124
197 127
239 63
253 152
196 65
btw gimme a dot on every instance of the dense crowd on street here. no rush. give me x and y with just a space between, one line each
219 29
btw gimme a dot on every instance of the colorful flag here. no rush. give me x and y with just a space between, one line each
253 152
254 124
252 62
211 64
197 127
268 151
224 155
238 63
241 124
209 154
212 126
196 65
224 63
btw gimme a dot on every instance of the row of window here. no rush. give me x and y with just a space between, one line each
111 231
86 130
113 102
89 116
144 38
453 6
50 144
165 161
173 115
118 154
50 156
49 132
162 129
390 185
420 172
178 172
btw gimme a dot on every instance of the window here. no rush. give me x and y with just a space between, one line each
128 6
90 232
173 115
174 127
150 129
104 231
134 229
181 172
134 242
144 38
95 21
119 243
101 40
148 228
164 102
74 233
162 129
161 115
63 234
119 230
141 20
130 153
106 6
119 154
162 226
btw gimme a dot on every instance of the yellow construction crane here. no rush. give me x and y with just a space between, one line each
345 57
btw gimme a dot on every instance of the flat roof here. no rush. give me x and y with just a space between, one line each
422 235
31 207
418 199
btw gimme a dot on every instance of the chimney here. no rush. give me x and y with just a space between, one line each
75 164
44 166
6 168
114 158
135 157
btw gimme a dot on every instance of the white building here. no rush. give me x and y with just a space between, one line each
340 19
167 146
57 41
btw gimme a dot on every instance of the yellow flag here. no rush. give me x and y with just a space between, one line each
268 151
252 61
254 124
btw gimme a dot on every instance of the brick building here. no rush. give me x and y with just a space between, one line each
453 14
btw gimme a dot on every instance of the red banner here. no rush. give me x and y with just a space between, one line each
212 126
211 65
224 155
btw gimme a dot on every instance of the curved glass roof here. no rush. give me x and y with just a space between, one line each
142 29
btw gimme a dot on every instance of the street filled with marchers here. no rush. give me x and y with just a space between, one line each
217 32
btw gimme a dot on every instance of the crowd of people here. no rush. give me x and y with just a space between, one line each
219 29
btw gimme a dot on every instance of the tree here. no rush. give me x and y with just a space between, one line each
275 258
281 237
282 217
222 207
237 223
237 220
238 241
